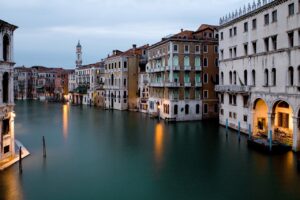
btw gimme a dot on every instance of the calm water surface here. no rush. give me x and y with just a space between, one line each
96 154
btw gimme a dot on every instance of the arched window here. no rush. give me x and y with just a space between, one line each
175 61
5 47
175 109
234 77
186 61
253 77
291 76
187 107
273 76
197 108
245 77
222 78
230 77
266 77
5 87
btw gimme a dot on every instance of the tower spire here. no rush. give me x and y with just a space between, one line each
79 55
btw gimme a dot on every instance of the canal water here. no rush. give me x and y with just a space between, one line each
97 154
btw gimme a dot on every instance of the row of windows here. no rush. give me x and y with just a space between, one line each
270 43
198 62
233 115
115 65
274 18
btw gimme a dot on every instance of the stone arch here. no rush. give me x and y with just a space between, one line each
260 110
282 121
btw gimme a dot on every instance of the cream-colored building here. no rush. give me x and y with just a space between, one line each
260 70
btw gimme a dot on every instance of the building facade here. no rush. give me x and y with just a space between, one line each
259 70
121 78
7 138
183 70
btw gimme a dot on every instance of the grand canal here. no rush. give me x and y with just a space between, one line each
97 154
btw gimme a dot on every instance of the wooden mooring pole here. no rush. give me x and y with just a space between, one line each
20 160
44 147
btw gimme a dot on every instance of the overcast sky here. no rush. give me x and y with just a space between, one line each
49 29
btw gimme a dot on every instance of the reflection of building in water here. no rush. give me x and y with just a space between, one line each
158 143
10 186
65 120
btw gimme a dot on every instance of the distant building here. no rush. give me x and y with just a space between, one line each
259 71
183 70
121 78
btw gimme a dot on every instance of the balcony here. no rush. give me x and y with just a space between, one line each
174 68
156 84
198 68
187 68
187 84
232 88
172 84
198 84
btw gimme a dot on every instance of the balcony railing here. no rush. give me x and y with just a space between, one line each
198 68
232 88
187 84
174 68
187 68
198 84
156 84
172 84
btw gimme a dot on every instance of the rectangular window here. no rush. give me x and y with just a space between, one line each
6 149
246 49
266 40
266 19
291 39
125 64
175 48
222 54
246 27
205 94
234 31
186 48
234 52
216 49
283 120
230 114
230 52
245 118
222 98
245 101
222 112
274 16
274 42
291 9
217 62
5 127
222 36
205 48
205 62
197 49
230 32
254 24
254 47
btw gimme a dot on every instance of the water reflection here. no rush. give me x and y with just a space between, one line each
10 186
65 120
158 144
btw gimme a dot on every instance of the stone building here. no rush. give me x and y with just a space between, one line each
183 70
259 70
121 78
7 137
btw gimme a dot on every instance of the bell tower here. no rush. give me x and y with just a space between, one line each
79 55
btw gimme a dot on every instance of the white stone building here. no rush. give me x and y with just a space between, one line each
260 70
7 137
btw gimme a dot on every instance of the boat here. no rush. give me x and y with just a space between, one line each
263 145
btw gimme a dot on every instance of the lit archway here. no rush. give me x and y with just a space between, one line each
260 118
283 122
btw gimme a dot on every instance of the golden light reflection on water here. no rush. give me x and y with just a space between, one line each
65 119
11 188
158 143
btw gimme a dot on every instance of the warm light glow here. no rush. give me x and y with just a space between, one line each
158 143
11 186
65 119
158 106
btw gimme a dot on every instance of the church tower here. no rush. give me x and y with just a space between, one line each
79 55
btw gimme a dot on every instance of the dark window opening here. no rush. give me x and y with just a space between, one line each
6 149
5 48
197 109
5 87
187 107
175 109
5 127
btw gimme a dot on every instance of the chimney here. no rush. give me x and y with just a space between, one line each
181 30
134 46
